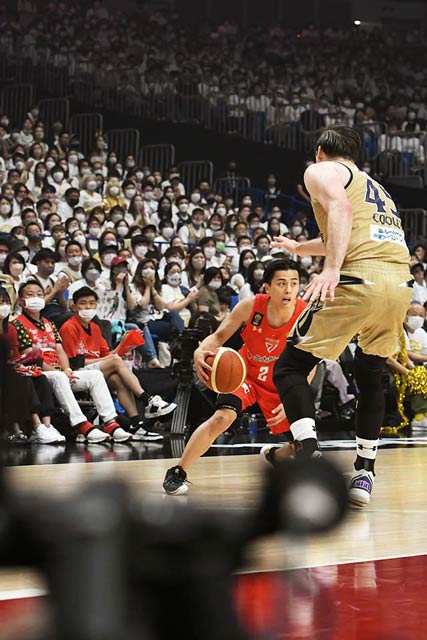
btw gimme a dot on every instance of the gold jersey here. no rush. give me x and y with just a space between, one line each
376 232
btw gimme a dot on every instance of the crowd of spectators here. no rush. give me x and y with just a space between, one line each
255 80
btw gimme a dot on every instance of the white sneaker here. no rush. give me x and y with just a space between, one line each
142 435
360 487
94 435
45 435
120 435
419 421
158 407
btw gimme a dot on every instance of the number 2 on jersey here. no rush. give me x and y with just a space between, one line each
263 373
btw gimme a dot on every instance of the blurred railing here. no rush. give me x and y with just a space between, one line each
264 119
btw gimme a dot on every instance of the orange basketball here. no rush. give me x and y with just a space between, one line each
228 370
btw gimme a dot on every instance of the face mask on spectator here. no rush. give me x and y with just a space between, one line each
91 185
50 164
263 251
221 211
87 314
122 231
107 259
94 231
183 208
174 279
4 310
85 171
33 237
81 240
220 246
75 261
296 230
243 247
139 175
58 176
3 257
246 202
5 209
146 273
215 284
34 304
93 275
148 195
415 322
306 262
73 159
129 193
198 262
141 251
19 165
16 269
209 252
258 274
80 217
215 226
195 198
46 271
114 191
167 233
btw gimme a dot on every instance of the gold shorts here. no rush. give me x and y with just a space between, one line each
370 304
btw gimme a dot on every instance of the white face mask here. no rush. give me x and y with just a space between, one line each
174 279
75 261
34 304
94 231
167 233
141 251
114 191
415 322
215 284
306 262
80 217
258 274
122 231
209 252
243 247
81 240
91 185
58 177
4 310
85 171
148 195
108 259
129 193
146 273
296 230
19 165
195 198
73 159
215 226
87 314
5 209
183 208
93 275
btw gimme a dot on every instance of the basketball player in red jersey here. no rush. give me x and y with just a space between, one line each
267 319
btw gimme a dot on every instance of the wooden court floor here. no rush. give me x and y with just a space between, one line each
393 526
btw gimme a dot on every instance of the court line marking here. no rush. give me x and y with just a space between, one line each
328 444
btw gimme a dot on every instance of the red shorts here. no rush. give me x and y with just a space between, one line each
250 393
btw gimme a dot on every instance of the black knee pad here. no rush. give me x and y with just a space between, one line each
368 370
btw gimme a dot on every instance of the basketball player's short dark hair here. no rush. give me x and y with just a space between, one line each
340 141
280 265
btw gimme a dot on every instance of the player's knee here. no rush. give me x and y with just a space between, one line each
220 422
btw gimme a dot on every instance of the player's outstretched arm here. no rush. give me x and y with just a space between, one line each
239 316
326 184
313 247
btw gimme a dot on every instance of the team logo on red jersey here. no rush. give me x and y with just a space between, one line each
257 319
271 344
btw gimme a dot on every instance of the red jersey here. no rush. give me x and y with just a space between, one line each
43 334
263 344
77 341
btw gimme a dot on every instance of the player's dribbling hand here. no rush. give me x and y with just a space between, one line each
279 416
200 364
326 282
282 242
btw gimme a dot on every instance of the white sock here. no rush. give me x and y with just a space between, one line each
303 429
367 448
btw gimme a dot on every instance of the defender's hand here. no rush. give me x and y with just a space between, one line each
291 246
279 417
326 282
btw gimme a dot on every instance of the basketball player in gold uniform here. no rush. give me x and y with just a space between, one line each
362 291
